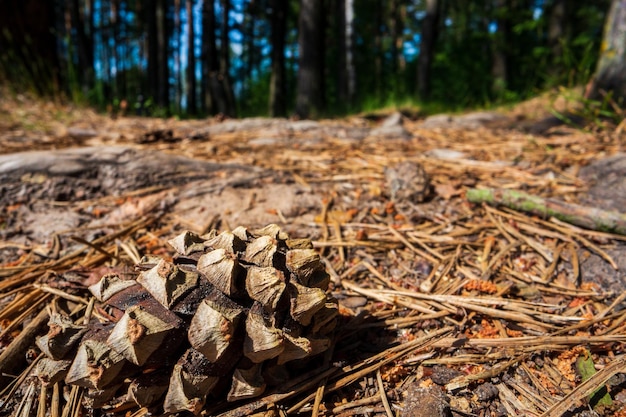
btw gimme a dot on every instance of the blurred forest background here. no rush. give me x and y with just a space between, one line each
312 58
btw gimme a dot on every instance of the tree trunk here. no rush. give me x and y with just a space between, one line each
610 76
349 40
177 67
225 61
499 63
210 64
153 48
309 91
84 48
191 61
556 31
278 99
27 32
163 87
430 31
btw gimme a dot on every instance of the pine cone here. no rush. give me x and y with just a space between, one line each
232 308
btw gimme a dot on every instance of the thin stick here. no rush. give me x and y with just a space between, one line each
383 395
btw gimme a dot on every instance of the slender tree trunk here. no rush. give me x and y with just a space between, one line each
225 60
500 59
393 34
153 48
378 51
84 48
115 28
163 86
278 99
430 32
210 64
250 55
309 92
556 29
191 61
177 67
349 40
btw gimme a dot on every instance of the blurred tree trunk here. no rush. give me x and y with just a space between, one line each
191 61
231 109
152 49
349 49
84 47
430 31
278 93
115 22
309 90
396 29
28 48
557 20
378 50
210 64
249 56
610 75
163 90
501 39
177 66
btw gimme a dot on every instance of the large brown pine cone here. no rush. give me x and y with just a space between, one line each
229 314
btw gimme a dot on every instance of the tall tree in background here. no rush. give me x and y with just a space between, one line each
500 47
191 61
177 33
28 47
231 109
83 27
346 82
278 81
309 96
430 31
610 75
210 63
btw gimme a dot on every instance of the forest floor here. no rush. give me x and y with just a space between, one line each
446 307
